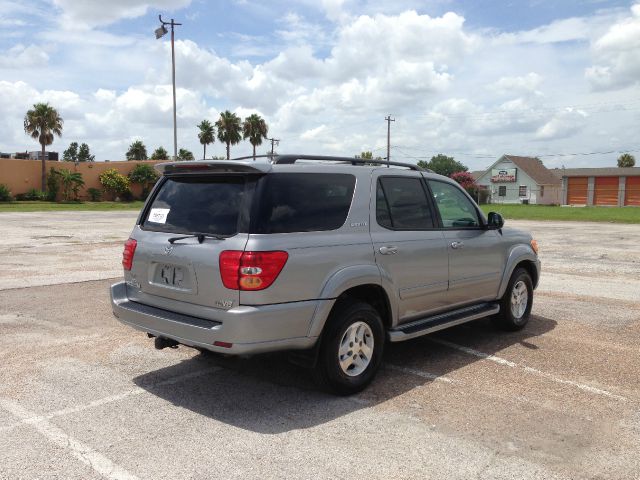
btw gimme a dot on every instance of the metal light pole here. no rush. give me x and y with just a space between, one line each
160 32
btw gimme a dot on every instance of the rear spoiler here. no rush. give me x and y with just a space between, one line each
212 166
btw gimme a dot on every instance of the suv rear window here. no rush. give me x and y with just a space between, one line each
197 205
303 202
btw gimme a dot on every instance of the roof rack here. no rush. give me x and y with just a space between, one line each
289 159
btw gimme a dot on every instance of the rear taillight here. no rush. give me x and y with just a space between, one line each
127 254
251 270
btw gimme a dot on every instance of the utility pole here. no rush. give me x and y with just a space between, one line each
161 31
389 120
274 141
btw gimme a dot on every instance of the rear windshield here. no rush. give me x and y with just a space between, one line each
197 205
303 202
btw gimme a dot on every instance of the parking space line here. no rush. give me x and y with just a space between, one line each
87 455
419 373
534 371
34 419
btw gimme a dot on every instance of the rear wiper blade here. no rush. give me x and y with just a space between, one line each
199 236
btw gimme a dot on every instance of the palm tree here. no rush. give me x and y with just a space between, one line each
255 129
184 154
160 154
42 123
206 135
71 183
229 129
137 151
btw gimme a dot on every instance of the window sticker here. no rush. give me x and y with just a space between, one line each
158 215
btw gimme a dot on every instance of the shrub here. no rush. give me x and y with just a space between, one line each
95 194
5 194
114 182
71 183
144 175
53 185
33 194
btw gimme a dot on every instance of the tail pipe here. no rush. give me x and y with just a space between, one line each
161 342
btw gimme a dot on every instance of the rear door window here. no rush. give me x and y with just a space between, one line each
303 202
197 205
401 204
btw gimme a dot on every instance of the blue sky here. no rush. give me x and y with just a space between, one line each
474 79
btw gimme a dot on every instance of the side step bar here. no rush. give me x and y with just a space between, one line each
441 321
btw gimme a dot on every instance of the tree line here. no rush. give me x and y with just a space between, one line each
43 123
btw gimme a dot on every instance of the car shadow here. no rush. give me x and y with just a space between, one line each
267 394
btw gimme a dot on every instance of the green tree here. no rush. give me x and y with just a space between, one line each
84 155
71 183
114 182
444 165
423 164
71 153
144 175
42 123
160 154
255 129
137 151
184 154
229 130
626 160
206 135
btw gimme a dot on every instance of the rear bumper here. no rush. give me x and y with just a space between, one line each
249 329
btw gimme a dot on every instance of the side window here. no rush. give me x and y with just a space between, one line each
522 191
401 204
502 191
456 210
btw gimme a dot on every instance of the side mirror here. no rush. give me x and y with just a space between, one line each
495 221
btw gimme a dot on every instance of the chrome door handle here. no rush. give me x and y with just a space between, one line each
388 250
457 245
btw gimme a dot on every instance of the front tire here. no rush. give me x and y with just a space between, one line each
351 349
516 303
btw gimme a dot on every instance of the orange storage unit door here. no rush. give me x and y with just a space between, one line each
577 190
632 192
606 191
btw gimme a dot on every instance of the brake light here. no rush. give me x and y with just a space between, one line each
251 270
127 254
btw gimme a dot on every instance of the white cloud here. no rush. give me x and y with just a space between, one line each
525 84
617 54
90 13
562 125
21 56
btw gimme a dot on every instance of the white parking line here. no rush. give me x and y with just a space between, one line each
534 371
419 373
81 451
34 419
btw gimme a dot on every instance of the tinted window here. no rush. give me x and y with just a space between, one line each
502 191
303 202
456 210
401 204
200 205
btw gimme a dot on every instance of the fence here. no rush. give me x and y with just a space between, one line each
20 176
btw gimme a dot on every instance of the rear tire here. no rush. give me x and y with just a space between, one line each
351 349
516 303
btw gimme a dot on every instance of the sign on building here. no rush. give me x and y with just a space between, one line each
503 175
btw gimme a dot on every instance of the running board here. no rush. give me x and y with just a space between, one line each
441 321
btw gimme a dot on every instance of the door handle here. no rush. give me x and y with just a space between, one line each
457 245
390 250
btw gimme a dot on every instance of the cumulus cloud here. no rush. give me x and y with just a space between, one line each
21 56
617 54
91 13
564 124
525 84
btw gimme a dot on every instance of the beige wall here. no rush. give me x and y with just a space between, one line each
23 175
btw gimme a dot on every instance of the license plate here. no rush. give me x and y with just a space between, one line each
172 276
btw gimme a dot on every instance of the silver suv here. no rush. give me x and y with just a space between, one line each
325 257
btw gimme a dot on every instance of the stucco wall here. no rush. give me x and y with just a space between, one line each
23 175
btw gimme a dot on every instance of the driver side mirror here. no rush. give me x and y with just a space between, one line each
495 221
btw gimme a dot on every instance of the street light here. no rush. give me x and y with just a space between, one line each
160 32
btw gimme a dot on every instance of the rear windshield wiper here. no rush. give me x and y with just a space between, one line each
199 236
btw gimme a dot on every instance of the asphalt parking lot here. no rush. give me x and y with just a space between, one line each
82 396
